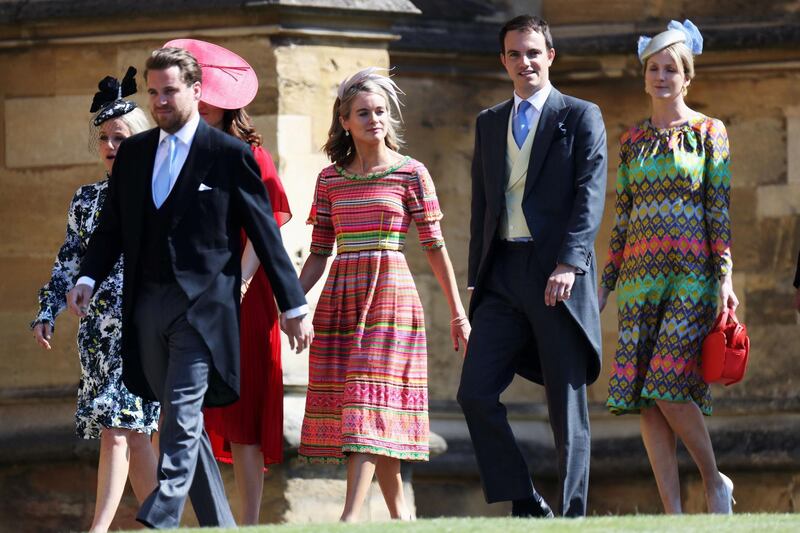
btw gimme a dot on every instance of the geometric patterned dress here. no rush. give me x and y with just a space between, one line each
103 400
367 389
668 250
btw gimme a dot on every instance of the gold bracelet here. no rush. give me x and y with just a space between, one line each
459 318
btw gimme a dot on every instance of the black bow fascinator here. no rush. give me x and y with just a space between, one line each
110 98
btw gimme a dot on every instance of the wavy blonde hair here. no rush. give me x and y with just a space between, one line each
135 120
339 147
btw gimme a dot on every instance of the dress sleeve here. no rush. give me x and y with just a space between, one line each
717 185
323 235
619 233
423 206
53 295
277 195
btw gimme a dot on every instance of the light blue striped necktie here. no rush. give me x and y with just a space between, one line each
165 173
520 125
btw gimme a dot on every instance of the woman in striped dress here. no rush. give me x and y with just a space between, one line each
367 402
670 263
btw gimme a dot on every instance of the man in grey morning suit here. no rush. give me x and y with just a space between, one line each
177 199
538 188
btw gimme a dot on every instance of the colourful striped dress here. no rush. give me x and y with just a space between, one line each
368 377
669 246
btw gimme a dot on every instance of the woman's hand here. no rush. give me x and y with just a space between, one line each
243 289
42 332
459 333
726 294
602 297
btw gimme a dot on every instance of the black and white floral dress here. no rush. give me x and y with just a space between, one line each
103 400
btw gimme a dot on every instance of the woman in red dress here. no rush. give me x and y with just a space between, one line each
248 433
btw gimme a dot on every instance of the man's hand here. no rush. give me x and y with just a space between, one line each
43 332
559 284
299 330
78 299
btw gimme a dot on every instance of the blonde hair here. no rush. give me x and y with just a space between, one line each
339 147
136 120
682 56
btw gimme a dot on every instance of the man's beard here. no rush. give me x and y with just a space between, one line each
170 123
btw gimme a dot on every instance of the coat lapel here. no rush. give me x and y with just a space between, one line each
198 163
142 180
497 149
553 112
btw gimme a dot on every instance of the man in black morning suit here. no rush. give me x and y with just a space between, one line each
177 200
538 189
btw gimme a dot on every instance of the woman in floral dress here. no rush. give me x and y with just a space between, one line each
106 409
367 402
670 263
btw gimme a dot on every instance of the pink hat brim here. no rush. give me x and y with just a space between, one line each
229 82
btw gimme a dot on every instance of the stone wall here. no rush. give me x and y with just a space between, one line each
765 201
754 90
744 78
45 158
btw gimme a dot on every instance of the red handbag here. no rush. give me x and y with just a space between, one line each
726 350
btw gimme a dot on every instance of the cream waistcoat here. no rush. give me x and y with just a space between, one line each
513 224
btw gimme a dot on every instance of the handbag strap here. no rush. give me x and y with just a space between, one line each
722 319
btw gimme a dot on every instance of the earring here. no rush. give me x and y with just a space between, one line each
347 133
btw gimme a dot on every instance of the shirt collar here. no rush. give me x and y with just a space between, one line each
537 99
186 133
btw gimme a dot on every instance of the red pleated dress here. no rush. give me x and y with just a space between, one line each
257 418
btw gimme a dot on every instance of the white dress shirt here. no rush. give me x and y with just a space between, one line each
184 137
536 100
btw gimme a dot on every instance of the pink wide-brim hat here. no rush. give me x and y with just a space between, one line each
229 82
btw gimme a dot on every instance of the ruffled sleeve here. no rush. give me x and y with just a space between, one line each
277 195
53 295
622 208
717 185
423 206
323 236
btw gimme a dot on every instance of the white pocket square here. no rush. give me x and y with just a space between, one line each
204 187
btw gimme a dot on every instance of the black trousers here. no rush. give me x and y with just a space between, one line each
511 321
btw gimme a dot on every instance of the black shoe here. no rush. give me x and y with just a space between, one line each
532 507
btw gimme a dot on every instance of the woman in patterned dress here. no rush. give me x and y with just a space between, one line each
106 409
367 401
670 261
249 432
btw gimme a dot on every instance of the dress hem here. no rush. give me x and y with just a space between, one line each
635 408
372 450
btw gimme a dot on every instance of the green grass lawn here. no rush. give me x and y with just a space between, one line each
645 523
